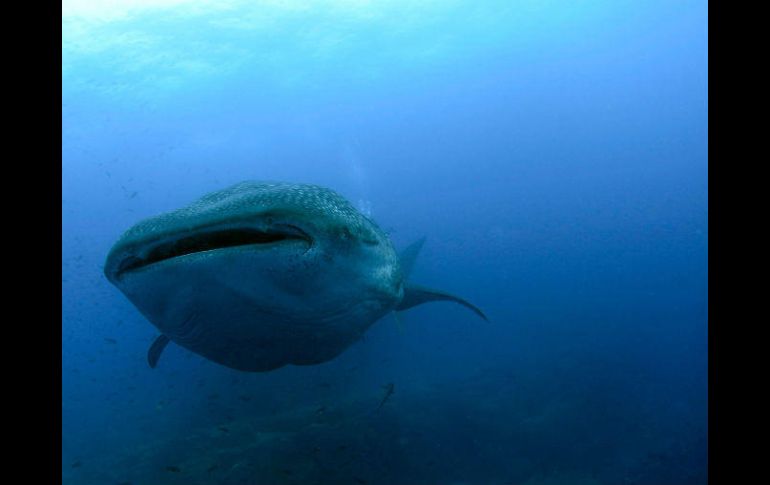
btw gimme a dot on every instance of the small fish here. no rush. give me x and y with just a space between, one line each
388 392
359 480
110 340
224 429
320 410
212 468
77 464
244 398
174 469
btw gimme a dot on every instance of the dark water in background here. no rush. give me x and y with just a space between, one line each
553 153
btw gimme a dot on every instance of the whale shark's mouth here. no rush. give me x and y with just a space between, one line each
211 239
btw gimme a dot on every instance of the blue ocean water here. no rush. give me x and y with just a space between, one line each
553 154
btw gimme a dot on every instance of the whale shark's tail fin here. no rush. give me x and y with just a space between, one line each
415 294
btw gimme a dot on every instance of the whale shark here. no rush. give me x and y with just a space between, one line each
261 275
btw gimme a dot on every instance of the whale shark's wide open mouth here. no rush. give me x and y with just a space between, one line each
211 240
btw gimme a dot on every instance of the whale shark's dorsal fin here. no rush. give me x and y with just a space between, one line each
416 295
408 257
153 354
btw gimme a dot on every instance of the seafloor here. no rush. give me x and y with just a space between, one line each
495 427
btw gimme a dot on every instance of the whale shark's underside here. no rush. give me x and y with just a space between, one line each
265 274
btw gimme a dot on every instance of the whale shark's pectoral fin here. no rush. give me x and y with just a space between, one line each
417 295
153 354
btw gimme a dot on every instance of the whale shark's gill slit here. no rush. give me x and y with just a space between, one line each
208 241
